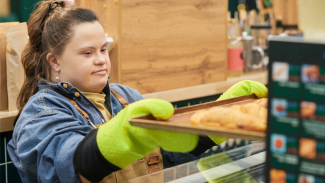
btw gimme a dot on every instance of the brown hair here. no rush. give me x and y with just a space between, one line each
50 28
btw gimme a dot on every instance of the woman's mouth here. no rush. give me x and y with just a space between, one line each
100 72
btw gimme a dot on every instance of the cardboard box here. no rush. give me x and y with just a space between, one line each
4 7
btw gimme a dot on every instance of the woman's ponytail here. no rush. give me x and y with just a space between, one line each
33 54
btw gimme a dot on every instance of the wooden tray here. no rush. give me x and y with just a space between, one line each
180 122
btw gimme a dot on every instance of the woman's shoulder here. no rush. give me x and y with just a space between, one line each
46 99
44 102
121 87
126 91
43 107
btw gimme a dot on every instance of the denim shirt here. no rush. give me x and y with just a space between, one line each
50 128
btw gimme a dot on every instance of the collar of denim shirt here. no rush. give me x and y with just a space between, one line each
69 91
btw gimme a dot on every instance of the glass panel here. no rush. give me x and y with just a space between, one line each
2 173
2 150
244 164
13 175
7 141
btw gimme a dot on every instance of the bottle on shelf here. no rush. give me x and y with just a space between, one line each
235 63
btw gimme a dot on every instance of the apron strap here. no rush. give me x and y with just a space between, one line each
83 113
120 99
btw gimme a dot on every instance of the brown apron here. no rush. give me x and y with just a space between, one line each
147 165
150 164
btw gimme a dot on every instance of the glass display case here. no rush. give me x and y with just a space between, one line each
240 165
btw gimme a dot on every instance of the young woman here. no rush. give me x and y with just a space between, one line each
66 96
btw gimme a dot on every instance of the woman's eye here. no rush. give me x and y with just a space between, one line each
104 50
87 53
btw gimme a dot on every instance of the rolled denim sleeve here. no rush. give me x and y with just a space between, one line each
43 145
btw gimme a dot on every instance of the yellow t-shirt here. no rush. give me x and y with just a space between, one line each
98 99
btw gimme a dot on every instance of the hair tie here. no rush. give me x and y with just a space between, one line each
56 4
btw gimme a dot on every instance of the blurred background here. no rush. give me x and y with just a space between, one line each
256 18
234 42
19 10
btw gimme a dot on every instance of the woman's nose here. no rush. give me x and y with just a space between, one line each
100 60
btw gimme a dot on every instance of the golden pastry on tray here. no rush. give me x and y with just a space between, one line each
262 102
251 116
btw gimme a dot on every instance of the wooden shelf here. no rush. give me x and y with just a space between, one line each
206 89
7 120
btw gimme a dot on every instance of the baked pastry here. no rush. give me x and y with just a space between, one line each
262 102
251 117
252 109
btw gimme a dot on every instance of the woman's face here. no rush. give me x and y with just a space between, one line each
84 62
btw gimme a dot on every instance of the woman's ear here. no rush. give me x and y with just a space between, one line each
53 62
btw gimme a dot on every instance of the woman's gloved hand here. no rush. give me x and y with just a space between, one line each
121 143
241 88
245 87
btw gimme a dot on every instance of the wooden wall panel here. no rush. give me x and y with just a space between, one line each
171 44
290 13
278 8
164 44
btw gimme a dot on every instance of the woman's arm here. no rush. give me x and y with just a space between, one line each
83 179
45 138
117 144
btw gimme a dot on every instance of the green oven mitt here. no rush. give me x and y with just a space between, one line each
122 144
241 88
245 87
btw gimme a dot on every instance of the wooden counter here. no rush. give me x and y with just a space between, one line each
7 118
206 89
